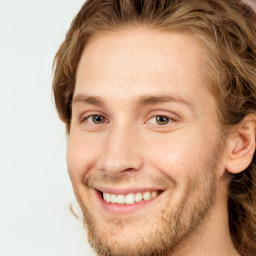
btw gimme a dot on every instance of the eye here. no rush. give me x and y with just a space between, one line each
160 120
96 119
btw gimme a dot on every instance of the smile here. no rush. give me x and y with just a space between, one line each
115 201
131 198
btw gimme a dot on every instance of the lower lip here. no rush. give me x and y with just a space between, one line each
122 208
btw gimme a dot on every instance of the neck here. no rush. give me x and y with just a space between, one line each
212 237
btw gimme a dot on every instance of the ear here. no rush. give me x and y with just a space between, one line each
241 145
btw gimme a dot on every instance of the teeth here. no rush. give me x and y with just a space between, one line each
108 196
138 197
130 198
113 198
146 196
120 199
154 194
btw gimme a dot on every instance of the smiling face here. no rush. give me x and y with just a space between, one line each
144 148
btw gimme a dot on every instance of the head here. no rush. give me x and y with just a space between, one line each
160 96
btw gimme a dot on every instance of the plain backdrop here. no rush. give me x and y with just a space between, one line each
35 191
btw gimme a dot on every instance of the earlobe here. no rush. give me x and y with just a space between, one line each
241 145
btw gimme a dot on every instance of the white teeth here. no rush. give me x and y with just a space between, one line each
130 198
138 197
108 197
120 199
146 196
113 198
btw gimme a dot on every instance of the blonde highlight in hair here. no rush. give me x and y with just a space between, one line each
227 30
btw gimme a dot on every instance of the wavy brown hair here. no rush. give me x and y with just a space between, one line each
227 30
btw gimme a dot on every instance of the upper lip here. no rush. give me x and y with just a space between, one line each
125 191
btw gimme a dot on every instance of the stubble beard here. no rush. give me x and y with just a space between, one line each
173 226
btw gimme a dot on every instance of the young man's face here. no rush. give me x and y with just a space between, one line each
144 125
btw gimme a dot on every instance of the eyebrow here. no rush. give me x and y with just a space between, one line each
93 100
142 100
156 99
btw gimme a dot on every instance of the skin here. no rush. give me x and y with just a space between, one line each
252 3
129 149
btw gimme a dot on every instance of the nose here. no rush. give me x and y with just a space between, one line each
120 152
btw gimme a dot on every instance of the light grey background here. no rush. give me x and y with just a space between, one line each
35 191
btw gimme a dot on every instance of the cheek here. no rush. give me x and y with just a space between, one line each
81 156
177 156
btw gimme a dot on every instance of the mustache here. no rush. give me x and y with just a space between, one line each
104 179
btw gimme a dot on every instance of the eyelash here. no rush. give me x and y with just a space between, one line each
161 116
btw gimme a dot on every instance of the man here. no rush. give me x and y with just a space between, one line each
159 101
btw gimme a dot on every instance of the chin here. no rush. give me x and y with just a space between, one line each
158 231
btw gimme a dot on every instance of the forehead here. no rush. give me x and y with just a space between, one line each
134 62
